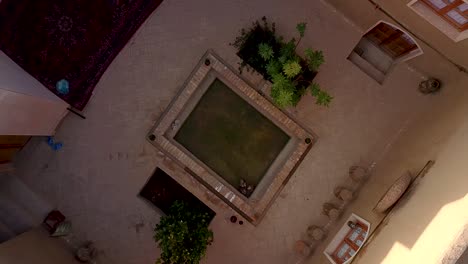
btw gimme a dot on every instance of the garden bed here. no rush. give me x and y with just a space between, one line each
278 62
251 57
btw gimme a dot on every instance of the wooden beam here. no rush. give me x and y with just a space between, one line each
392 37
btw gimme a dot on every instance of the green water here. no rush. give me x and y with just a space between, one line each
230 136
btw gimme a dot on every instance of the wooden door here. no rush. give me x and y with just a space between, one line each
391 40
9 146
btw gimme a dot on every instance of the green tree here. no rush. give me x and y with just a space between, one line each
183 235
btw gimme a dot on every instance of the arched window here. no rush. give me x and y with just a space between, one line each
381 47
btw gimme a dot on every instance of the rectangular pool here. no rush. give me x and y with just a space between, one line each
231 137
230 140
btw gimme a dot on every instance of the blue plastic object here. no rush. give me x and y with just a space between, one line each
50 141
57 146
53 145
62 86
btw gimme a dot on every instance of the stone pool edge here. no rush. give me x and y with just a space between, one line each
251 209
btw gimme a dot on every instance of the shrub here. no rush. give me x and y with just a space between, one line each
278 62
183 235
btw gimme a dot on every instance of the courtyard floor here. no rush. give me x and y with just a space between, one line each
94 180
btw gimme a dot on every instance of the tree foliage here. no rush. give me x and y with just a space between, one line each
277 60
301 27
322 97
291 69
314 59
183 235
285 71
265 51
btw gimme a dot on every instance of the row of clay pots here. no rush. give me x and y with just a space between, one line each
345 195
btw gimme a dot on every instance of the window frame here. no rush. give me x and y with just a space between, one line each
352 245
442 12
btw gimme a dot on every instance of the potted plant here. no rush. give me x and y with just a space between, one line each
277 61
430 85
183 235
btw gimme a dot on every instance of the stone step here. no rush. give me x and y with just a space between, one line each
20 208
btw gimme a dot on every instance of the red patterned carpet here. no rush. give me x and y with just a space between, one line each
75 40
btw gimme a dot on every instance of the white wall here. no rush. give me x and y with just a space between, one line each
26 106
430 222
36 247
22 114
14 78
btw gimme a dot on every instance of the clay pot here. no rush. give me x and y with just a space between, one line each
315 233
343 194
357 173
301 248
331 211
233 219
430 85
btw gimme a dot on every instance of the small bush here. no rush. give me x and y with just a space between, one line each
278 62
183 235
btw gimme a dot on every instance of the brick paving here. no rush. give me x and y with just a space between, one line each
106 159
254 208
